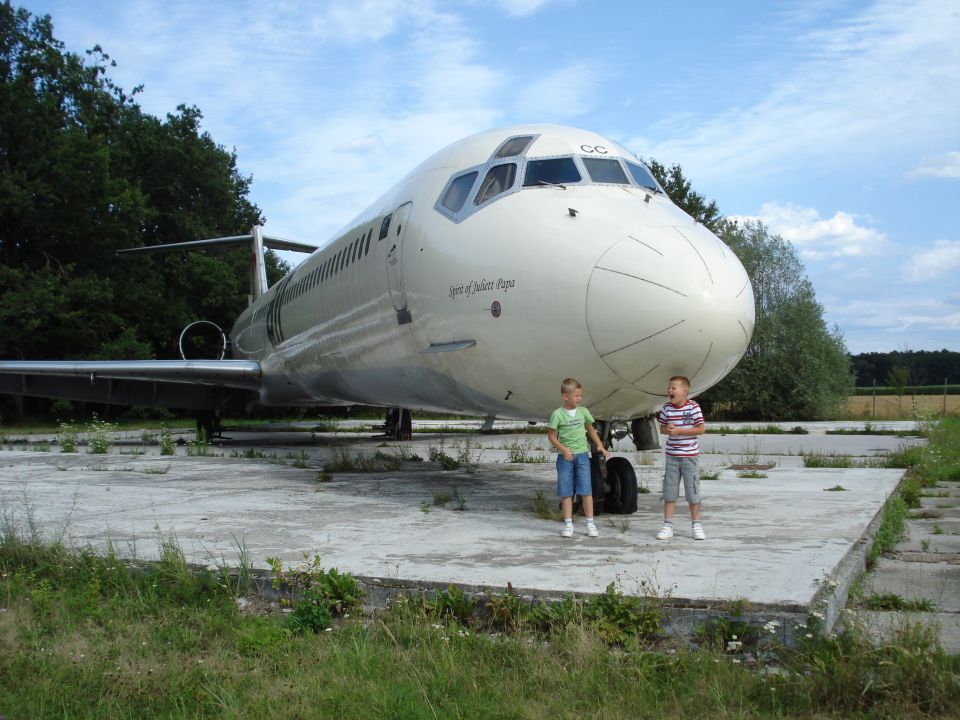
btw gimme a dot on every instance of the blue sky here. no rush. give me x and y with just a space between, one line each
835 123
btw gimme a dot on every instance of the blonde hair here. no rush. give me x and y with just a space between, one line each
568 385
681 379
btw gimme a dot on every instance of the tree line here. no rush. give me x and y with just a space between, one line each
906 367
84 172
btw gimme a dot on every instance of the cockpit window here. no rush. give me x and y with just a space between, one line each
499 179
456 194
605 170
513 146
642 177
554 171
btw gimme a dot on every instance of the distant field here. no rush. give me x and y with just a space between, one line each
890 407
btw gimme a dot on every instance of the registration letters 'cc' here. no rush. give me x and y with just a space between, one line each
599 149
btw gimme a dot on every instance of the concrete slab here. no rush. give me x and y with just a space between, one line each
931 536
739 447
938 582
885 626
771 541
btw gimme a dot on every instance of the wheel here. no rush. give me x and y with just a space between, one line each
622 481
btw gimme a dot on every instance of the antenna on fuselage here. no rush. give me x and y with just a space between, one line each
257 241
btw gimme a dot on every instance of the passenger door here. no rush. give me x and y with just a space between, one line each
395 261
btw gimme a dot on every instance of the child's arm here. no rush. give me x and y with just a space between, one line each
592 434
552 437
673 430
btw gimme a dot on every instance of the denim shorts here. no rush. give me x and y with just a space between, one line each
573 476
687 468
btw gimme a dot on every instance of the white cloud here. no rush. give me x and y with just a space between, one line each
891 323
565 92
942 259
945 166
519 8
879 81
817 238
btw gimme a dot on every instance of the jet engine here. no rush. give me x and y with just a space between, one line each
203 340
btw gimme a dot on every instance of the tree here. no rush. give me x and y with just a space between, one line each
679 190
84 172
795 366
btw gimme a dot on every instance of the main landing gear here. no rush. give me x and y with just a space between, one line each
398 425
208 424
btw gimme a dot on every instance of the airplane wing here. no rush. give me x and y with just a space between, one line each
192 384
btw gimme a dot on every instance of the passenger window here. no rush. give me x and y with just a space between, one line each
456 194
366 249
642 177
605 170
385 227
499 179
555 171
513 146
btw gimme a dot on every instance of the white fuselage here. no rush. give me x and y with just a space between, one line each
486 308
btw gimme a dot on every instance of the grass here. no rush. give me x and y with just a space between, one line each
544 509
892 601
896 459
892 526
89 636
746 430
524 452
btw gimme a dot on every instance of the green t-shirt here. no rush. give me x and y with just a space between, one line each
572 431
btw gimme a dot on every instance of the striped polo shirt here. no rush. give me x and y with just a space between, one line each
687 415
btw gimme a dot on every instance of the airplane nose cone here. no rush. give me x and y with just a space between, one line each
667 293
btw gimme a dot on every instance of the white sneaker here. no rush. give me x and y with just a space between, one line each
666 532
592 530
698 532
567 530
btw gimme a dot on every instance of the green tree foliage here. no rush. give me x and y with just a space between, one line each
925 367
83 173
898 378
679 190
795 367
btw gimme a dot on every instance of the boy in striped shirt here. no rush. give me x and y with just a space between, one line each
682 421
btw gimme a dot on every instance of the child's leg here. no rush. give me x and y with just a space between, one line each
671 487
690 471
583 483
565 477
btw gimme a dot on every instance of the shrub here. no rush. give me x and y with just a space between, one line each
100 439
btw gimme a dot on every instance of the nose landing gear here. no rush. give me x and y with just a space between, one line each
614 480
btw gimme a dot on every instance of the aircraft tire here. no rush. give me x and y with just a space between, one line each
622 480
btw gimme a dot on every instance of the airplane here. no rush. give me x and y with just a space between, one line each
505 262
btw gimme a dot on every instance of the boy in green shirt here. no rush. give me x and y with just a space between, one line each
568 430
